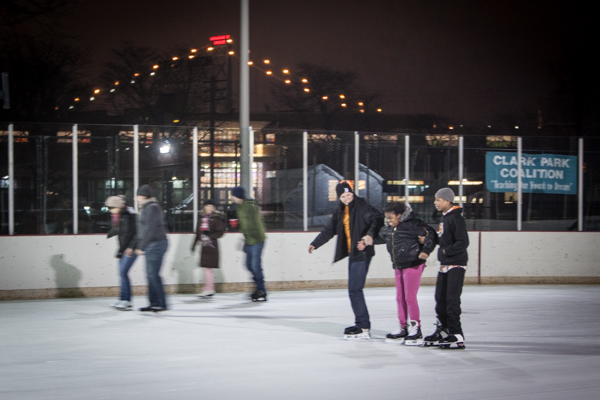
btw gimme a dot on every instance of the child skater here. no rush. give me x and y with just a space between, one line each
401 236
452 254
210 228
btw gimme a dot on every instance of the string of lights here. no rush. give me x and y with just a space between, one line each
265 67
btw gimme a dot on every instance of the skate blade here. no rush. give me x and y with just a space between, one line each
357 338
430 344
452 346
394 341
416 342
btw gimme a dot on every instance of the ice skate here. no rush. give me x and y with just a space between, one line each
124 305
356 333
206 294
154 309
434 339
117 303
258 295
397 337
455 341
414 337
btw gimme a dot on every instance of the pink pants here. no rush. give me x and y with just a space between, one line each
408 281
209 279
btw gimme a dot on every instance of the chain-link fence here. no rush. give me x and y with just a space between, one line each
481 169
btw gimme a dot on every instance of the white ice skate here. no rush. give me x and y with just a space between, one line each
206 294
356 333
415 337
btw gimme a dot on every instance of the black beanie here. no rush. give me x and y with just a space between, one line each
146 191
343 187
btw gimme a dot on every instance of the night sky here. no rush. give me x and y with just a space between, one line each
468 60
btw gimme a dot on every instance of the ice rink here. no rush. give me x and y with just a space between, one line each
523 342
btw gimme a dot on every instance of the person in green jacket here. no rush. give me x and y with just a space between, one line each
253 227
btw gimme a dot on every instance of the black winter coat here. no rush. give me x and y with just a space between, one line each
364 220
453 239
209 251
402 241
126 231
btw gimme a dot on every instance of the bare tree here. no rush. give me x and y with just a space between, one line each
322 90
160 88
43 14
45 76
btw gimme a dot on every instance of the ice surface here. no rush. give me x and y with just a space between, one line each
523 342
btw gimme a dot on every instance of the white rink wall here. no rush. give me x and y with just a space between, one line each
84 265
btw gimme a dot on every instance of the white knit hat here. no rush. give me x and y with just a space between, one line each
115 202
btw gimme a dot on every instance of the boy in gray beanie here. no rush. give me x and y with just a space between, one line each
453 239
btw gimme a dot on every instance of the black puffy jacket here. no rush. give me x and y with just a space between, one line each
127 231
402 241
364 220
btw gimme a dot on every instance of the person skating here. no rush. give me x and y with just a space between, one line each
210 228
352 220
124 227
252 226
152 242
408 255
453 239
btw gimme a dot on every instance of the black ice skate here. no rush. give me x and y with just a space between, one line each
414 337
397 337
258 295
434 339
356 333
456 341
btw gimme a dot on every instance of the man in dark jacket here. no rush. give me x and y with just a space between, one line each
351 221
152 242
452 254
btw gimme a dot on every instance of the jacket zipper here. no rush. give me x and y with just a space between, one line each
393 248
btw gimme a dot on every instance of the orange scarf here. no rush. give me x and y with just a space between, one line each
347 228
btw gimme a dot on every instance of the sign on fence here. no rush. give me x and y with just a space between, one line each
540 173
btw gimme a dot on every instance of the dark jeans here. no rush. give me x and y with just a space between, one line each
448 289
254 264
155 252
357 276
125 264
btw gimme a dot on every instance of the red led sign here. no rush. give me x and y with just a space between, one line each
222 37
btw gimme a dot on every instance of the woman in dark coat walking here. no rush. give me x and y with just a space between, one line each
210 228
124 226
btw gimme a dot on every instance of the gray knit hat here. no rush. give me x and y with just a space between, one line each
115 202
146 191
445 194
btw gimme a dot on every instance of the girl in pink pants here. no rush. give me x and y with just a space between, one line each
409 242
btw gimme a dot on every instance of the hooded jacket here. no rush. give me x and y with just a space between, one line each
453 238
364 220
251 223
402 241
151 227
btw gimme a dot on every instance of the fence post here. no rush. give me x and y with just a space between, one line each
195 178
519 184
11 180
580 215
305 180
75 150
356 161
406 166
136 163
461 165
